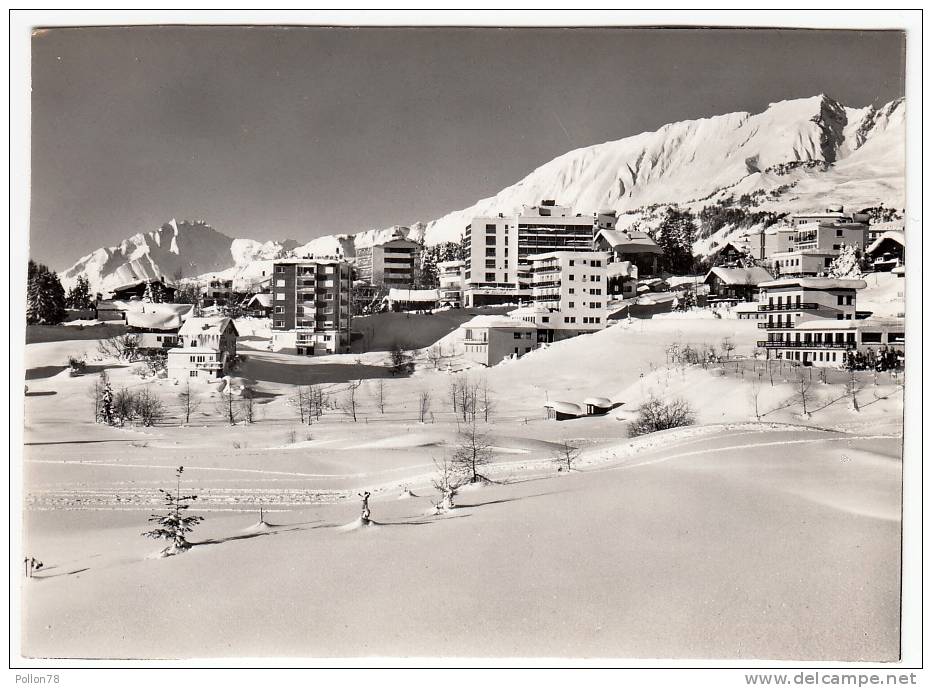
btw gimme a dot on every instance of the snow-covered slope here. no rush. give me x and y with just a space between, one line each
797 155
856 156
175 250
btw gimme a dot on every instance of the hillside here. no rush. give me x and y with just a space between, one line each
797 155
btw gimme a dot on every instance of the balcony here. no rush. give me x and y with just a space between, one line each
802 306
545 285
777 344
547 297
775 325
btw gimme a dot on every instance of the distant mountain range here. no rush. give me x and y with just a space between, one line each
797 155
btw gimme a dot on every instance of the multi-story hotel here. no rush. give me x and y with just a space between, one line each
499 250
569 290
810 319
311 311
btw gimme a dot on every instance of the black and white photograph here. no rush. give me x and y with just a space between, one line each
466 342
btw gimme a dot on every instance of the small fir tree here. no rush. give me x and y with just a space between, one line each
174 525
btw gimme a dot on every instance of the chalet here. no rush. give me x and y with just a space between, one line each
633 246
888 251
155 326
196 363
735 284
258 306
136 291
215 333
731 255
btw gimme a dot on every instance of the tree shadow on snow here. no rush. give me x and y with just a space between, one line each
58 575
503 500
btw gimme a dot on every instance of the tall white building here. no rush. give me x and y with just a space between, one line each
569 292
499 250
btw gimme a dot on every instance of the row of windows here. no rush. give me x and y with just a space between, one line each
526 335
591 321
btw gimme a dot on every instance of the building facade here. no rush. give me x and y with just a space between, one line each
311 312
490 339
499 250
810 320
391 263
450 276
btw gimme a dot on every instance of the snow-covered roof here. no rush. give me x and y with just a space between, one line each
896 236
498 321
630 242
776 229
815 283
746 307
564 407
532 309
153 321
599 402
213 326
264 300
622 268
418 295
750 276
828 324
899 270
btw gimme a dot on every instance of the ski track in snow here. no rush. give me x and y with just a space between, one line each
235 498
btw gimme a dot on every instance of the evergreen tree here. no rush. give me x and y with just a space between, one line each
847 264
174 525
676 235
45 296
106 401
79 296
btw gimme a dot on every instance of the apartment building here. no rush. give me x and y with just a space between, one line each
499 250
450 276
311 312
573 287
811 319
390 262
809 243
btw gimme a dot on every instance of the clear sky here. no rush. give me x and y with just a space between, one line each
272 133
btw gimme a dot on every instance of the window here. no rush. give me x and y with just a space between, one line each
572 263
572 277
572 290
490 228
490 277
839 232
516 349
571 304
527 335
490 252
517 335
490 263
279 296
192 373
279 283
841 300
279 268
870 338
545 319
279 323
279 309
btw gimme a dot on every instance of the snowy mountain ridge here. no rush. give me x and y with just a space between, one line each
797 155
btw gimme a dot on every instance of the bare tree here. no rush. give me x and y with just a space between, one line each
464 394
380 395
802 385
448 479
435 355
124 406
423 404
124 347
656 414
852 387
485 400
301 401
565 455
727 347
755 394
349 401
148 406
189 403
248 406
227 406
472 451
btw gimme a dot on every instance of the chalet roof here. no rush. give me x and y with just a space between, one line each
738 276
162 321
498 321
815 283
898 237
264 300
629 242
564 407
211 326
